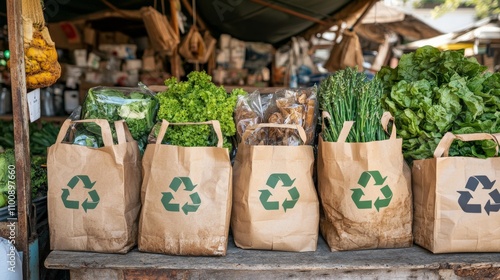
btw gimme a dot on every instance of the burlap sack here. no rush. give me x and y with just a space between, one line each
365 193
94 193
275 205
186 195
457 200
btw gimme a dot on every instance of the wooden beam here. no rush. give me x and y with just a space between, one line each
291 12
21 130
123 13
349 14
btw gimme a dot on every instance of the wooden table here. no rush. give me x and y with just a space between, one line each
406 263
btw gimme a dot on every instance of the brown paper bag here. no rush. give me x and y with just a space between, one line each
365 193
162 36
347 53
457 200
94 193
186 195
275 205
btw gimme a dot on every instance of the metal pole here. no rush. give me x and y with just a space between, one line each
21 129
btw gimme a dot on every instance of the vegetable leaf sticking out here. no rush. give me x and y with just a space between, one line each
197 100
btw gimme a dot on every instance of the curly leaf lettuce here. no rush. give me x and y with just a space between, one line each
197 100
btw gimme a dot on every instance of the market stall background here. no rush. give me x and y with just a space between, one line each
240 20
247 20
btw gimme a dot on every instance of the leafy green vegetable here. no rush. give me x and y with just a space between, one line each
137 108
432 92
6 159
42 136
38 175
348 95
39 183
197 100
88 140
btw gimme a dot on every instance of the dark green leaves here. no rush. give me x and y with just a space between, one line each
439 91
137 108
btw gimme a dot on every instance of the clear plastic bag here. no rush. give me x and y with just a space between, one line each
137 106
286 106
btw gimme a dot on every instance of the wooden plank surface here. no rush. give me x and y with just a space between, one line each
402 262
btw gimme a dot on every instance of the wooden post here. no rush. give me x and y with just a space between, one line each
21 129
175 58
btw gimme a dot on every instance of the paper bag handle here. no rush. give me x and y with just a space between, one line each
347 126
324 115
497 137
107 138
122 132
344 132
214 123
300 129
385 120
443 147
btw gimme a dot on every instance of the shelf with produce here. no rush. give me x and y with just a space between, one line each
55 119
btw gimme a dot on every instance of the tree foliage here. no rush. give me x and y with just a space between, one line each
484 8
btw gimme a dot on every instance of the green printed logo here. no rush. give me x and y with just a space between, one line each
286 182
85 181
168 197
380 202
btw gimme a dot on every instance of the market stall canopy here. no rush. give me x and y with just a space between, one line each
270 21
382 19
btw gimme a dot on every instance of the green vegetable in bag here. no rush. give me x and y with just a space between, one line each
432 92
136 106
348 95
197 100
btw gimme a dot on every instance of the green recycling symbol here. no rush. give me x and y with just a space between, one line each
358 193
87 184
168 197
286 182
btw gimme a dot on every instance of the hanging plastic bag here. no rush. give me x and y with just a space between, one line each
40 55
